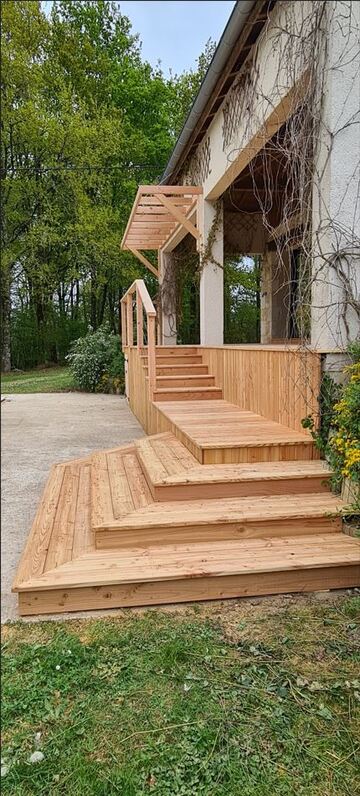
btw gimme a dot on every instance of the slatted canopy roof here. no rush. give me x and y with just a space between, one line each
158 211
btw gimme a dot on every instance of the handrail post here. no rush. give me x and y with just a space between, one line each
130 327
139 321
151 355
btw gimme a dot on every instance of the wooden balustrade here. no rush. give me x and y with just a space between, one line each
143 304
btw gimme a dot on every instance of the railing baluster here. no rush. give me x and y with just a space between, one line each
139 321
151 356
143 303
130 322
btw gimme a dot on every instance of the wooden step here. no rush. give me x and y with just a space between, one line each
173 473
63 508
185 381
118 486
179 359
182 573
187 394
169 350
181 522
218 432
180 370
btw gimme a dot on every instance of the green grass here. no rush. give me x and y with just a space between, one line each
45 380
225 700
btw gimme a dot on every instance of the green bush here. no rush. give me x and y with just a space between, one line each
97 363
338 437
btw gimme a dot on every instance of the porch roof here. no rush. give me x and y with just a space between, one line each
158 211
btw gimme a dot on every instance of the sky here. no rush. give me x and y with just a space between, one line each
174 31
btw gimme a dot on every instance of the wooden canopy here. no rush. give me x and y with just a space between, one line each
158 211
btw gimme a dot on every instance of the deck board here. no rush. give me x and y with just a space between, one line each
201 559
221 424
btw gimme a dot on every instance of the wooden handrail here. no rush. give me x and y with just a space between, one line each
143 302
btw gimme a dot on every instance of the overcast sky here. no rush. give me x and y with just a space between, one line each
174 31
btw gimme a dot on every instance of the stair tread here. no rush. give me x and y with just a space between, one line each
220 424
178 460
263 471
192 472
213 559
63 509
184 513
190 377
188 389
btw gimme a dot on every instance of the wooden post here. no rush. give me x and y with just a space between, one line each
139 321
130 327
151 355
123 325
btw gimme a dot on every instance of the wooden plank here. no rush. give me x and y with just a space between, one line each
139 321
84 539
176 190
62 537
147 202
235 510
102 511
121 498
145 262
140 492
206 588
180 218
34 556
119 538
150 461
218 559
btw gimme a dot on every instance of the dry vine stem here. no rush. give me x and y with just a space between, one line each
289 174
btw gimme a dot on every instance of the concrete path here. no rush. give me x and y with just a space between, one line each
38 431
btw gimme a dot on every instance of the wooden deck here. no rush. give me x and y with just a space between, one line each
223 502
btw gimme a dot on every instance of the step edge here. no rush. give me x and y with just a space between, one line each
320 564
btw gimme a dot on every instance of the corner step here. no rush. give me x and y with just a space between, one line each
187 394
183 522
184 573
173 473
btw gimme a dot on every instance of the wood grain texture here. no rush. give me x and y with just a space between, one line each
55 601
280 383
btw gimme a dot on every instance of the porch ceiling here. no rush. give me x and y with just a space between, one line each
157 212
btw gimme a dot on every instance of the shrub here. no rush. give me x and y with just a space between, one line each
96 362
339 435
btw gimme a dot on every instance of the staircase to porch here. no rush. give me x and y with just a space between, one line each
148 523
223 502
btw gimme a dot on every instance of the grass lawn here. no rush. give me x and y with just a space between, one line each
234 699
45 380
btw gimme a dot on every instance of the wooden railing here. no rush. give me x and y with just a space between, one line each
137 292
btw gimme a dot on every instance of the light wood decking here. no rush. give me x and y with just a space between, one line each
152 522
218 432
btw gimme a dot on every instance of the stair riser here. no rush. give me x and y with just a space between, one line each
149 537
178 360
194 381
257 488
181 370
260 453
190 395
57 601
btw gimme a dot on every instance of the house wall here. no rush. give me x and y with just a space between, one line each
268 90
267 95
336 207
